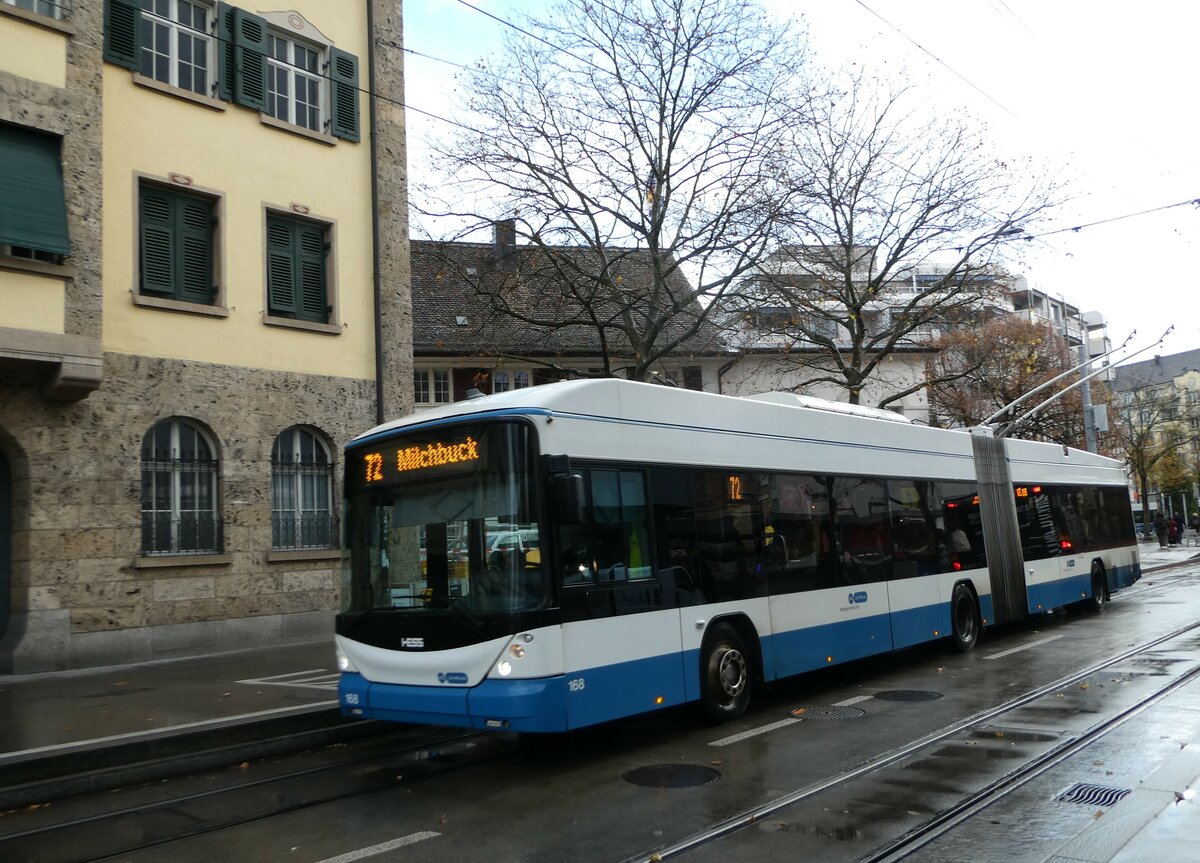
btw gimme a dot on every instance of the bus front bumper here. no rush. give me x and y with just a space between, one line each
519 705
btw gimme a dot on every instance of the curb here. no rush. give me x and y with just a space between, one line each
98 766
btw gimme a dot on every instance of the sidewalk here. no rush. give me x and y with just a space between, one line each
1152 556
57 726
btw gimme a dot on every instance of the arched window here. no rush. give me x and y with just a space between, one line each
179 491
301 491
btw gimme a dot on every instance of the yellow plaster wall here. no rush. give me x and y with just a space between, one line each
251 165
31 302
30 51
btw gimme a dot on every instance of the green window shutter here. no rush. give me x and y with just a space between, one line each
314 298
195 233
343 75
122 23
176 245
225 51
250 60
33 211
158 241
281 270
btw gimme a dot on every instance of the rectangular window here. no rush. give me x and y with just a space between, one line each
503 381
431 386
177 232
176 44
297 269
49 8
33 212
295 86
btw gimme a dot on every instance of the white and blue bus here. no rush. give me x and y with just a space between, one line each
558 556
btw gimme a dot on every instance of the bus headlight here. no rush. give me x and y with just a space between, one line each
504 668
344 663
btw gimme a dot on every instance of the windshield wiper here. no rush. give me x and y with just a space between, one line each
464 615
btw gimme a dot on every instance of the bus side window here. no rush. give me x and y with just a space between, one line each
613 545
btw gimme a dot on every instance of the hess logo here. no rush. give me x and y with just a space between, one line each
411 642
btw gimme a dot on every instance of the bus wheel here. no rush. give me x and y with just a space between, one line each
725 680
964 619
1099 597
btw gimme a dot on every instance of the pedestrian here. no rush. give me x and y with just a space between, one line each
1161 527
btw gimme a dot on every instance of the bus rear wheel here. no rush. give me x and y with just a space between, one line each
726 680
1099 597
964 619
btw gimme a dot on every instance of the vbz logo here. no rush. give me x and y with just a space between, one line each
857 598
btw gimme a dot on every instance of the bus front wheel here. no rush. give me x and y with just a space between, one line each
964 619
725 675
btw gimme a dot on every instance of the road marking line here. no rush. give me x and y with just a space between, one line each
362 853
783 723
735 738
318 678
283 676
855 700
1022 647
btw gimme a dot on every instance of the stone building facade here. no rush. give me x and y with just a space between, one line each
103 372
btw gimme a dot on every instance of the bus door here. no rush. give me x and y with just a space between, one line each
920 552
1041 547
622 647
861 623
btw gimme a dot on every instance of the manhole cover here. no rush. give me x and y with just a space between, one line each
822 711
1093 795
908 695
672 775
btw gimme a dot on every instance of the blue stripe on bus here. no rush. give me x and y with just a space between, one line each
603 693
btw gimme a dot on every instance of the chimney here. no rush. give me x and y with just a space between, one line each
506 244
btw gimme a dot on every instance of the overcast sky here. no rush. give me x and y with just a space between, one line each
1105 91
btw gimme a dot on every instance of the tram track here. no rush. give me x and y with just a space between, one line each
949 817
140 826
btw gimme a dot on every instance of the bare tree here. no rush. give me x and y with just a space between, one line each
898 227
979 369
608 131
1153 434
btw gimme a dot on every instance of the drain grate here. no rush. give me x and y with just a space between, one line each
671 775
823 711
908 695
1092 795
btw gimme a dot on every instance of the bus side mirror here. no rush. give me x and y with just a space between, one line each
566 495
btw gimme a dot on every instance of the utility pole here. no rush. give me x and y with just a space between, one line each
1085 356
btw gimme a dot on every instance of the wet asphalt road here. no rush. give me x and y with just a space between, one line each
493 798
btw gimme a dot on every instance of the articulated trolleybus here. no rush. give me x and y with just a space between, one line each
567 554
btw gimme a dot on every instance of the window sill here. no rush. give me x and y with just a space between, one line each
38 19
178 92
277 556
179 306
167 560
283 125
310 326
41 268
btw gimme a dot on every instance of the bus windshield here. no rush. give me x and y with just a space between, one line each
444 519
